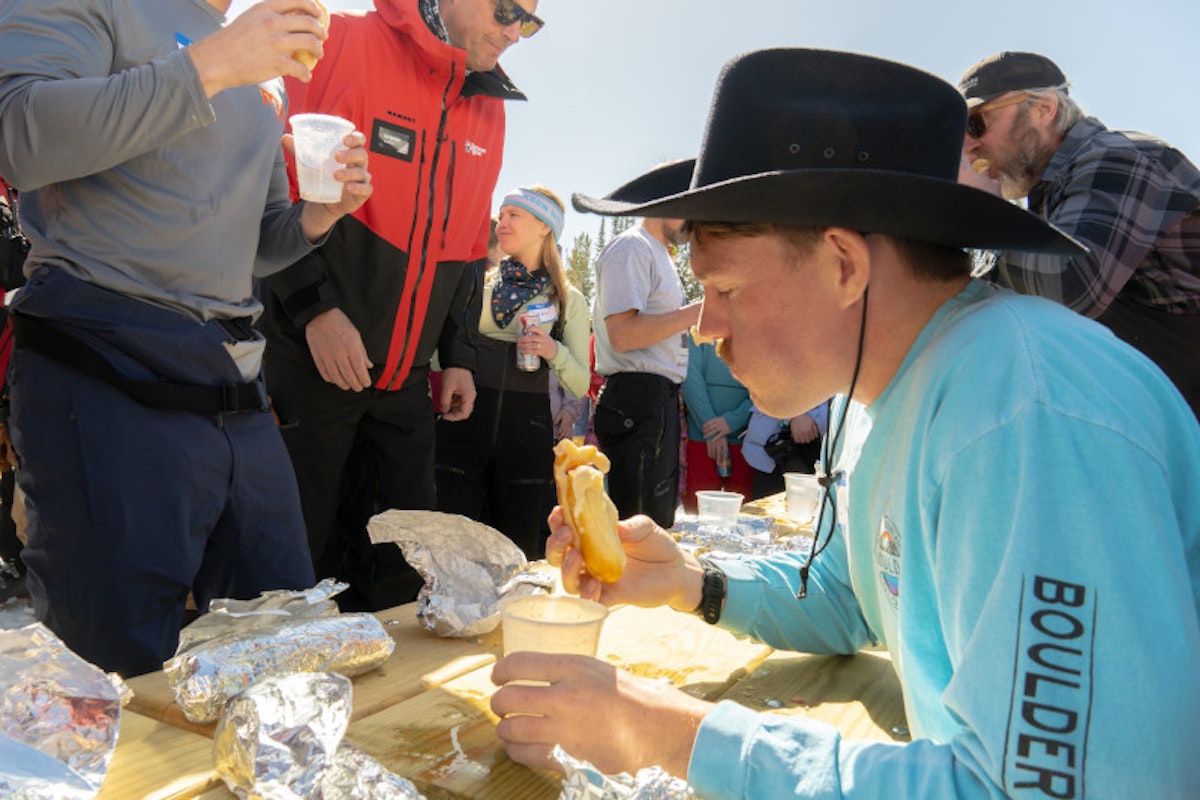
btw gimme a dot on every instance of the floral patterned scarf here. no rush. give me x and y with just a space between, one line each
433 19
516 287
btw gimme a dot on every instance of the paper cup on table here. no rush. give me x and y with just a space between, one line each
317 138
718 508
551 624
802 492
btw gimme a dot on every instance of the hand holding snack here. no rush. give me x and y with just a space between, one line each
657 571
260 44
587 509
305 57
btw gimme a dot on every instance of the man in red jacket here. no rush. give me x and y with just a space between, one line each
352 327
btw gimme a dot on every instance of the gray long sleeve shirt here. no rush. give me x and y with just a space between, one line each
131 178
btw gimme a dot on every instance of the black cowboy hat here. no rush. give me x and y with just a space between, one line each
823 138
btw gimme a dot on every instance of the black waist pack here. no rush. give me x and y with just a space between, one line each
790 456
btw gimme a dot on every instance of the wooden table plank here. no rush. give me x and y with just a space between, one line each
859 695
703 660
421 660
445 738
160 761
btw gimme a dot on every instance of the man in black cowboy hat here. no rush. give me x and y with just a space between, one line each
1132 199
1021 534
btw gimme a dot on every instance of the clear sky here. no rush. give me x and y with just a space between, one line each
617 86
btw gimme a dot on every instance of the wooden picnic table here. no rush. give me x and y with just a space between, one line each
424 714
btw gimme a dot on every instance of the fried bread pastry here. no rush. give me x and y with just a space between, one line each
303 56
587 508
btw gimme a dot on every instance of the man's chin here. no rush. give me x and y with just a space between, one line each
777 407
1013 188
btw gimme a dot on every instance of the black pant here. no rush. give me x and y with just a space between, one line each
356 454
637 426
496 466
1169 340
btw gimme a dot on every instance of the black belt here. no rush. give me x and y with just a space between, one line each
35 335
643 378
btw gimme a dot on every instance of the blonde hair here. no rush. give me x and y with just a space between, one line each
552 260
551 256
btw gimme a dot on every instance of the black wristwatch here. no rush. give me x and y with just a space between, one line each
712 596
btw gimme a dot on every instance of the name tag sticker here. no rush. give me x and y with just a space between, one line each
393 141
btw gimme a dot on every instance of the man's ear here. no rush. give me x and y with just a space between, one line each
1043 109
852 257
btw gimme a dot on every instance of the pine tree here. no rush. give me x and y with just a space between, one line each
581 266
692 290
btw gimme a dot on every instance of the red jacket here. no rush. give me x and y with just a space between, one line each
400 266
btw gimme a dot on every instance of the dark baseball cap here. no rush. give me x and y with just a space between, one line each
1009 72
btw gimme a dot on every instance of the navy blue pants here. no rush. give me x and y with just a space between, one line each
129 507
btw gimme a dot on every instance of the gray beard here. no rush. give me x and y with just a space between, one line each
1030 162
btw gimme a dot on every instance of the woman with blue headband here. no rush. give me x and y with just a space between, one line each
496 466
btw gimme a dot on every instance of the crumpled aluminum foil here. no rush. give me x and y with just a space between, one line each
240 642
584 782
467 566
59 718
753 535
282 739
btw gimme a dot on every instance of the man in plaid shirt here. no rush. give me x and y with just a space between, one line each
1132 199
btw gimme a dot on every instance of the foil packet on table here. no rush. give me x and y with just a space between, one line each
582 781
59 718
467 566
753 535
282 738
240 642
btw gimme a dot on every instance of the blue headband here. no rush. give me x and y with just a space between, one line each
540 206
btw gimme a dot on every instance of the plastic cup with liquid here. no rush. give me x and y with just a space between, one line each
803 493
718 509
551 624
317 138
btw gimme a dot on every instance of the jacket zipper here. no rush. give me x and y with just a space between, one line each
429 224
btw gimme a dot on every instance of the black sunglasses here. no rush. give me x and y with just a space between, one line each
508 12
976 123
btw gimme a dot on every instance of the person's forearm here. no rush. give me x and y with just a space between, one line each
98 121
316 219
635 331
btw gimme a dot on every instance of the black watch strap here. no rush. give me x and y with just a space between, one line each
712 596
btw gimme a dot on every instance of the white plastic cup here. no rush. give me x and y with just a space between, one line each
551 624
318 137
803 493
718 508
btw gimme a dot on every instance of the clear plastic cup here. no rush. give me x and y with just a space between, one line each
551 624
318 137
802 492
719 509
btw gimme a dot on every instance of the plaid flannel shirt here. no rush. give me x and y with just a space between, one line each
1135 202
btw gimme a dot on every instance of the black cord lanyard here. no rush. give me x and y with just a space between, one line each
828 478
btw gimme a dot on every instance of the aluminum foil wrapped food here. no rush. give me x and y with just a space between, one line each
59 718
582 781
239 643
467 566
282 738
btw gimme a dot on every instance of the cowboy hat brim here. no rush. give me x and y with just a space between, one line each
872 201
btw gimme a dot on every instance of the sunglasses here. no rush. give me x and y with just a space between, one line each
977 124
508 12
